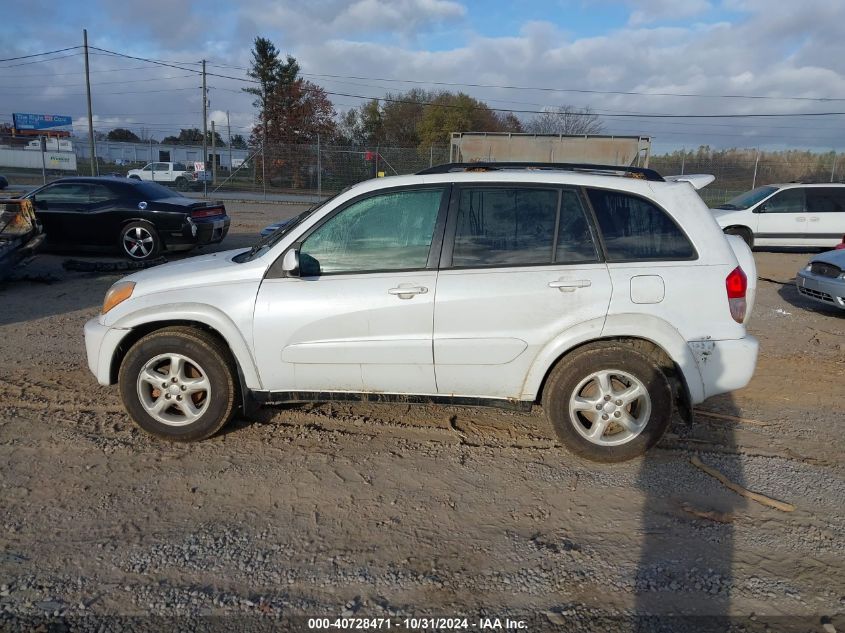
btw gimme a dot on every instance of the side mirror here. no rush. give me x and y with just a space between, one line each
290 263
761 208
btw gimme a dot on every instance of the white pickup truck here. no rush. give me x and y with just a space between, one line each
180 175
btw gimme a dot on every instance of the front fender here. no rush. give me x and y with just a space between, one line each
642 326
207 315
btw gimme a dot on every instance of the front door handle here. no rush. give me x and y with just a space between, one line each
406 292
814 219
800 219
570 285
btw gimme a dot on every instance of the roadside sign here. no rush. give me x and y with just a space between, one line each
27 121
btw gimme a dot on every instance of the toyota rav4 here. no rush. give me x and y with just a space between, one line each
608 295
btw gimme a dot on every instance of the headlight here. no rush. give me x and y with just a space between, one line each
808 268
118 293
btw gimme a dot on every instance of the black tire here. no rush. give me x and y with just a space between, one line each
181 184
566 379
744 233
133 177
204 356
139 241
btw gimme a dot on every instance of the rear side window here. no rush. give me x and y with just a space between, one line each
505 227
634 228
826 199
521 226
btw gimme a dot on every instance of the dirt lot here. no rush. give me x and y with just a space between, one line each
392 510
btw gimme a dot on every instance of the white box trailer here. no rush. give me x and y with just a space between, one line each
473 147
63 161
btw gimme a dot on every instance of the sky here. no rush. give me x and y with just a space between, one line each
526 56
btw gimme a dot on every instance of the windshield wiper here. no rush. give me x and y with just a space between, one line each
727 206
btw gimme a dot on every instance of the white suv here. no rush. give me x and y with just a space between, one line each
793 214
608 295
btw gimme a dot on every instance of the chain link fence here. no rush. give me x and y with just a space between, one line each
318 169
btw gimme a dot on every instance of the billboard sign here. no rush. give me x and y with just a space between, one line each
26 121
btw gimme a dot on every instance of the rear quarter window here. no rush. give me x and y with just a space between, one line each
633 228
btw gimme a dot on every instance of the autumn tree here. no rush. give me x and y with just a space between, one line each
565 120
290 108
449 112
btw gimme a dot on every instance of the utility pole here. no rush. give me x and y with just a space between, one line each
204 130
213 154
91 149
229 126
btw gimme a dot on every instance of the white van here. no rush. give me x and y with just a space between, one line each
793 214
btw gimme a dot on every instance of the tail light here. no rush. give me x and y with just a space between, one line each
736 284
206 213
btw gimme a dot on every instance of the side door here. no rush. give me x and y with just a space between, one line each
359 315
519 266
782 219
58 207
161 172
99 223
826 215
147 171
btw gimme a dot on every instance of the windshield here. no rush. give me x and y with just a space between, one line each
154 191
748 199
266 243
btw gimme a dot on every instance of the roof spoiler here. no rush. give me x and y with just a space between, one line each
698 181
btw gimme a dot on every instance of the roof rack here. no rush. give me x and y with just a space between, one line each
643 173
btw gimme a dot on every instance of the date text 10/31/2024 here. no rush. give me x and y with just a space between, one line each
411 624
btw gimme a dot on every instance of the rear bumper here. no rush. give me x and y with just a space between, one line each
725 365
208 231
827 290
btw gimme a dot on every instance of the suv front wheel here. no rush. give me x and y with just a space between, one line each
608 403
178 384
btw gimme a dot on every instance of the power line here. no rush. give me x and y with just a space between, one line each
40 61
60 50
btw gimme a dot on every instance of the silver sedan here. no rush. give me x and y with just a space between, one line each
823 278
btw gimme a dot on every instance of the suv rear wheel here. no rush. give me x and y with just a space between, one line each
181 183
178 384
608 403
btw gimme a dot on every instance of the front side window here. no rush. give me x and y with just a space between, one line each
634 228
68 193
787 201
386 232
148 167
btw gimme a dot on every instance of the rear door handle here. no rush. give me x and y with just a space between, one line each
570 285
408 292
800 219
814 219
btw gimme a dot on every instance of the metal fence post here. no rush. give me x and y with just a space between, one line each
264 167
754 177
431 156
319 170
43 144
683 159
833 169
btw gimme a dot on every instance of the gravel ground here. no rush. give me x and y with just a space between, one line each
394 511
